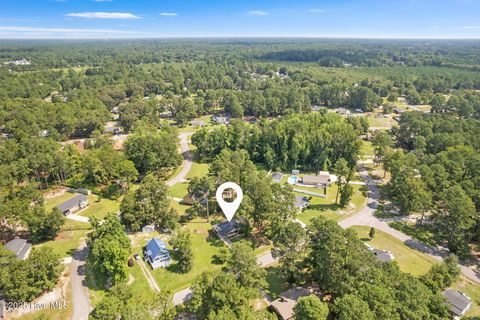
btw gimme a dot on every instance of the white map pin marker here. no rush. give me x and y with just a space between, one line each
229 208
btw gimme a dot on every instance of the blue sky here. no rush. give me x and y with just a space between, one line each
213 18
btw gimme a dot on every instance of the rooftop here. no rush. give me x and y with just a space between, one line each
226 227
156 247
75 201
459 302
19 247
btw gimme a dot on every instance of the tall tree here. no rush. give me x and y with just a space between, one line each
109 249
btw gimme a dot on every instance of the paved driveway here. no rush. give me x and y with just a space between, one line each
80 298
187 159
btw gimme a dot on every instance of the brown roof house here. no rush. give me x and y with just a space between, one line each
284 305
322 179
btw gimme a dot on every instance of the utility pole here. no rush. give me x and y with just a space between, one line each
208 213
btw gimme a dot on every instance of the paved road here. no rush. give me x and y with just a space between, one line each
187 159
80 298
366 217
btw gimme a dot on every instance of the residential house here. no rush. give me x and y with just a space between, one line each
323 179
193 198
459 302
198 123
227 229
79 202
157 254
277 177
301 203
20 247
284 305
221 119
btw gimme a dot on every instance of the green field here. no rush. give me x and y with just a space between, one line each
179 190
100 207
197 170
408 259
327 207
367 149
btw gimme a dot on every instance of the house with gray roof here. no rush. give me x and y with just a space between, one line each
79 202
20 247
458 301
221 119
227 229
301 203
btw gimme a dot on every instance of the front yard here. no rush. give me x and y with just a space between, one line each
327 207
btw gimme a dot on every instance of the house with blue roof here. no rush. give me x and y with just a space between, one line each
157 254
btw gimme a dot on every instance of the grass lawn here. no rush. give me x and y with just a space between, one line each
68 239
275 281
204 244
473 291
381 122
100 207
197 170
367 149
178 190
55 201
65 242
408 259
421 233
327 207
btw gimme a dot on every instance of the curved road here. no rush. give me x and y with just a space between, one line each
80 295
187 159
366 217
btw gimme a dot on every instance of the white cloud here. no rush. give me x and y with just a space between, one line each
316 10
258 13
103 15
470 27
168 14
61 30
